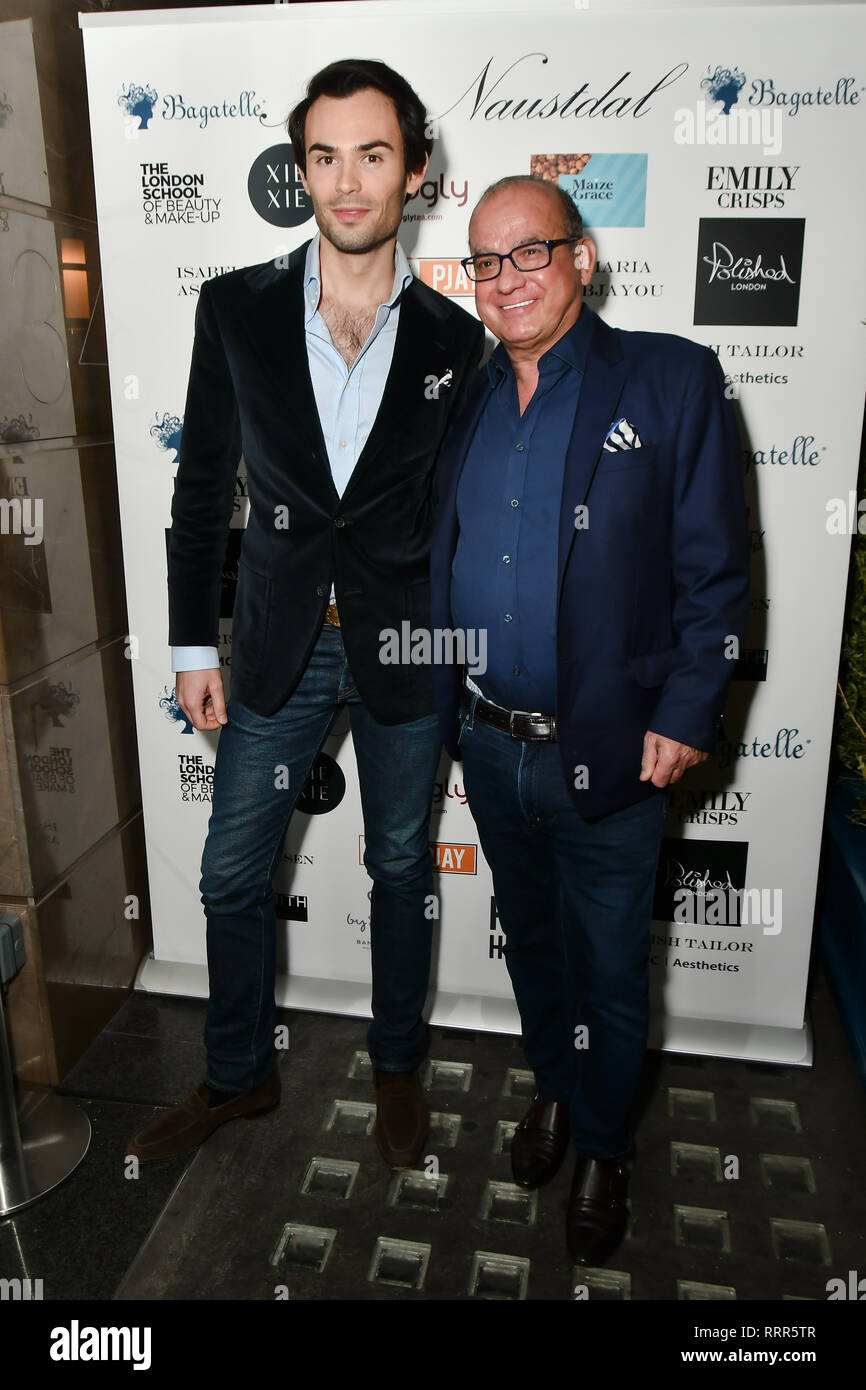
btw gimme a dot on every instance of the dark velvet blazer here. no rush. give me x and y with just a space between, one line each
250 391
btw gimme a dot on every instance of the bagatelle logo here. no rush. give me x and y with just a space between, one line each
609 189
751 185
166 431
784 745
275 188
701 867
798 452
748 270
324 789
703 806
173 199
139 101
728 85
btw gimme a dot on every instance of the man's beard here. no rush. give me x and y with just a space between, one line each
364 239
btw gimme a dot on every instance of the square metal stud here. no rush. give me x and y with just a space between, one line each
700 1228
444 1129
519 1082
413 1188
691 1105
804 1241
503 1135
690 1291
304 1247
696 1161
775 1114
360 1067
447 1076
498 1276
608 1285
786 1173
505 1201
400 1263
330 1177
351 1117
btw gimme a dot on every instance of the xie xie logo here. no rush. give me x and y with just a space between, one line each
275 188
748 270
324 789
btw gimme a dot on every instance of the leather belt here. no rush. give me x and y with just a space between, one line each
519 723
331 615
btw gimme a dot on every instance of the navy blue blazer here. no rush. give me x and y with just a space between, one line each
653 583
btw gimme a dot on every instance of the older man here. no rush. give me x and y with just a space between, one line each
591 520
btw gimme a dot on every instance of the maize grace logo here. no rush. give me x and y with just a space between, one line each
609 189
748 270
275 188
140 102
702 868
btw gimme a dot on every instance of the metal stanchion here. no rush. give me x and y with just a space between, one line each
43 1136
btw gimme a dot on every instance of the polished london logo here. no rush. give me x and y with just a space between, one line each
748 270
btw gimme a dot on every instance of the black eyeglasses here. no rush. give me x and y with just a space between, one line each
532 255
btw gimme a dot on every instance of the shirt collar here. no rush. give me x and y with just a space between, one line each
572 350
313 282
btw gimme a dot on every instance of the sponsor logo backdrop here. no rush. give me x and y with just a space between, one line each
710 162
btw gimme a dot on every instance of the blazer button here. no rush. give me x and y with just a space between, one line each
320 589
340 521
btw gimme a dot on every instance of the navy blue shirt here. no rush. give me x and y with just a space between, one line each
504 572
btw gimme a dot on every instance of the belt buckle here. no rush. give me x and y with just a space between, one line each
530 714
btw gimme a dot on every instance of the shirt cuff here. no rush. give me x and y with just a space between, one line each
194 658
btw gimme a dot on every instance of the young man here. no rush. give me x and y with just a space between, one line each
320 373
592 521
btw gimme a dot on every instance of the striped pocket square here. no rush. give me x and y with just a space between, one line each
622 435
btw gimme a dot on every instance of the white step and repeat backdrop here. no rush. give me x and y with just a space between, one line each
715 155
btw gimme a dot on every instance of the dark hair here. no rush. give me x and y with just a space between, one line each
350 75
572 220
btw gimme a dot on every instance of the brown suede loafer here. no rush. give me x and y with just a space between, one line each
540 1142
402 1121
597 1214
187 1125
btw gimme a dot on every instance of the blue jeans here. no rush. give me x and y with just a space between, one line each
575 902
249 818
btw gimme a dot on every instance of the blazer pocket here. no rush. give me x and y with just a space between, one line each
654 668
625 459
250 618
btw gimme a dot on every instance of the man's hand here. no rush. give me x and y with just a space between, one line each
200 696
664 760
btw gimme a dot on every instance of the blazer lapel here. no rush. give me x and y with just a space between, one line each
417 347
274 321
599 395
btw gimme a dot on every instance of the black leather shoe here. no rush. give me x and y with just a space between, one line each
402 1119
540 1142
597 1214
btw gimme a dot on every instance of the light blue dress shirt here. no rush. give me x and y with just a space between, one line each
347 398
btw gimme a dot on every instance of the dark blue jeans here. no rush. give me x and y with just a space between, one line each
250 814
575 902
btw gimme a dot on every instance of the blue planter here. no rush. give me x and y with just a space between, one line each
842 925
